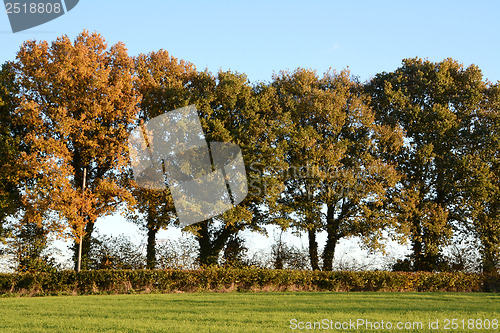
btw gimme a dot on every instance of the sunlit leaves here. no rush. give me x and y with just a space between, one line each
77 104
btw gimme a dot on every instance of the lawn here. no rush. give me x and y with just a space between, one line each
251 312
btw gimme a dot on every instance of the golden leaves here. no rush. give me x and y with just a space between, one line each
77 105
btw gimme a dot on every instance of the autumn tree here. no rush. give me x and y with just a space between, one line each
26 243
336 180
163 84
77 105
432 103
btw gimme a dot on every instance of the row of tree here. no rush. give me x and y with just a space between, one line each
411 155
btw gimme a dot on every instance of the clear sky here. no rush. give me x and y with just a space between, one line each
259 37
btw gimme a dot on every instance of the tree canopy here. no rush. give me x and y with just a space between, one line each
77 104
411 154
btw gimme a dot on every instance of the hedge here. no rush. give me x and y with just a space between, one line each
248 279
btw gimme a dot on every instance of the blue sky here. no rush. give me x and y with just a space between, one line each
260 37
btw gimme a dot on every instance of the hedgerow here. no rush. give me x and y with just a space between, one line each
245 279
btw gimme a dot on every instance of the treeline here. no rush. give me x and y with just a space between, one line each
411 155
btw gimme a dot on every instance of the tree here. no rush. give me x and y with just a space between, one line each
77 106
117 252
229 109
180 253
432 103
29 248
336 179
163 84
232 110
9 148
287 256
234 253
480 163
27 243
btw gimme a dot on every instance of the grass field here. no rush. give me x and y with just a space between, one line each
250 312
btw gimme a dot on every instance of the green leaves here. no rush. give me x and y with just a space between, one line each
334 140
414 151
438 106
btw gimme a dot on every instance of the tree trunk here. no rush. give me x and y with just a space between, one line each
151 248
313 249
417 245
278 260
206 256
210 245
329 253
152 231
489 263
490 249
332 229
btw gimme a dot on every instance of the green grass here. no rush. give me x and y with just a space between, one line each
239 312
